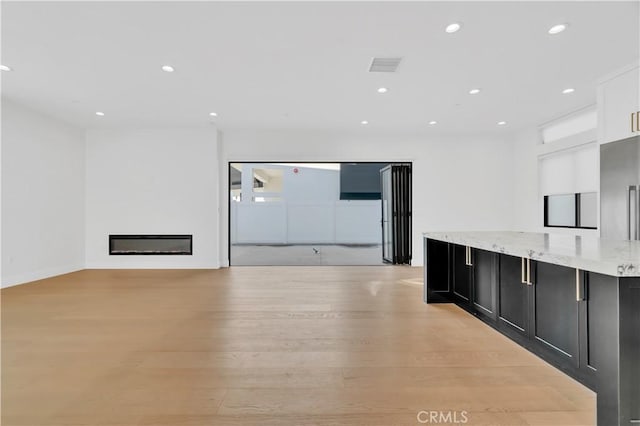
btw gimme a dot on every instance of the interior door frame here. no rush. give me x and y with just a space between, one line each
389 169
227 186
401 201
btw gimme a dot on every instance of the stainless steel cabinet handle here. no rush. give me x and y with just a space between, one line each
529 272
629 189
522 272
580 286
637 211
467 254
633 212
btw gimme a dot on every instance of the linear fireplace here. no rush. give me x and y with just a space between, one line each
150 244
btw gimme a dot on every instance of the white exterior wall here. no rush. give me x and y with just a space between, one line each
310 211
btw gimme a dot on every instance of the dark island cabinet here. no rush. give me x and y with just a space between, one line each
599 334
461 274
514 298
628 355
556 297
584 323
437 271
538 308
610 345
484 282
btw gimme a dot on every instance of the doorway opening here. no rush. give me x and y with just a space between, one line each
319 213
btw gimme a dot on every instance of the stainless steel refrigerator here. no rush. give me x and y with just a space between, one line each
620 189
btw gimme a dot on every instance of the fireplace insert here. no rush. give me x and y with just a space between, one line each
150 244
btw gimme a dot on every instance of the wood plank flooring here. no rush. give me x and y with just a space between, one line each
264 346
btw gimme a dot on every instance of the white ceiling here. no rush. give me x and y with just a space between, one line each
304 65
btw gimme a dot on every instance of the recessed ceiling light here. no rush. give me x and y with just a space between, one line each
557 29
568 90
100 113
501 123
382 90
5 68
364 122
213 114
452 28
167 68
433 122
474 91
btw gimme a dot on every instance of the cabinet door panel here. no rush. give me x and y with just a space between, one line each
556 309
437 266
484 285
601 315
461 273
512 307
629 350
617 101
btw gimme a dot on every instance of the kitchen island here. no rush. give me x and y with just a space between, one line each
573 301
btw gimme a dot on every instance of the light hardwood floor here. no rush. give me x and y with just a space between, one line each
264 346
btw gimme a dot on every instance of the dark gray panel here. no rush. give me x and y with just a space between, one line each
461 273
360 181
629 350
483 280
235 178
602 307
512 301
437 266
556 308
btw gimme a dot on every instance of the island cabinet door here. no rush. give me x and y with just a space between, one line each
461 288
436 271
599 341
555 313
629 351
484 283
513 298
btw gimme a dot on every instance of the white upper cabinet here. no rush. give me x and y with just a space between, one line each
619 105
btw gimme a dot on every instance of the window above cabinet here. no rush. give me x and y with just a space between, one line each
579 210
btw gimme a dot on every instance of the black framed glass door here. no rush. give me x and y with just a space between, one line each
396 213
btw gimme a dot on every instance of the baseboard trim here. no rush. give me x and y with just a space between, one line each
41 274
151 266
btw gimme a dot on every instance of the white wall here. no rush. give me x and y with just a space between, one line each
43 162
527 213
152 181
459 183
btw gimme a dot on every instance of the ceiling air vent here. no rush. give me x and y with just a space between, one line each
384 64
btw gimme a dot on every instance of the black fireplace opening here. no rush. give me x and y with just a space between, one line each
151 245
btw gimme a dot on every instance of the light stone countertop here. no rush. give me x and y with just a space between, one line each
610 257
